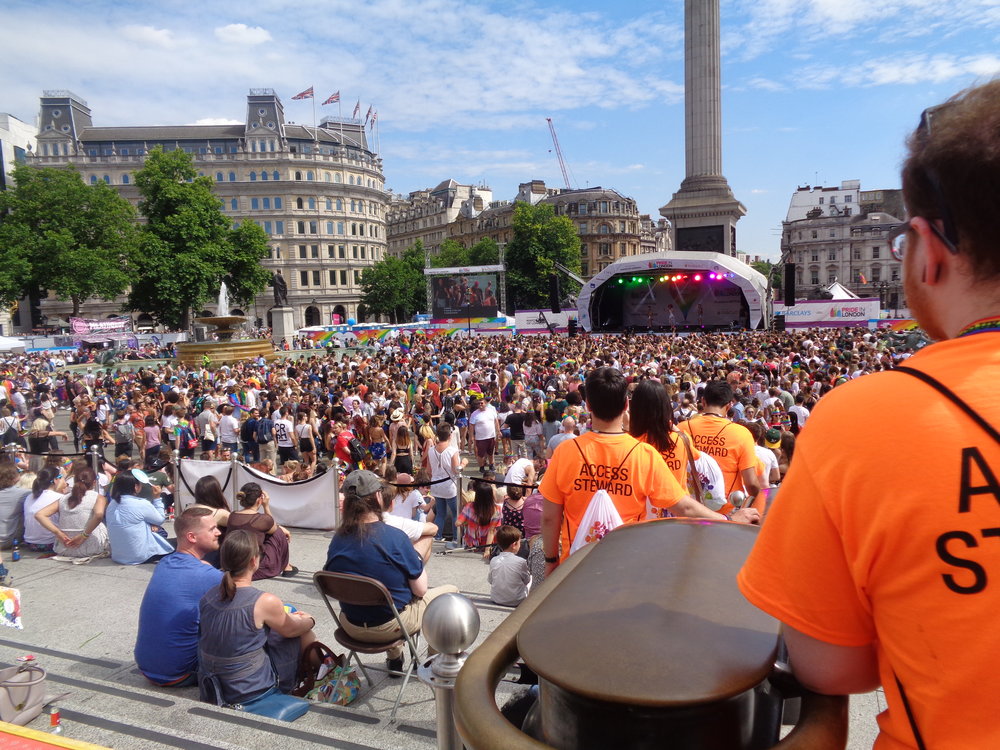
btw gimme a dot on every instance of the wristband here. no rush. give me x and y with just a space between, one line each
552 559
84 534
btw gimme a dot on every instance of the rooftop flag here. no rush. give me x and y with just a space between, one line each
369 114
307 94
333 99
357 109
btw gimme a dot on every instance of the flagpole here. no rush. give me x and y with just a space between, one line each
340 116
315 127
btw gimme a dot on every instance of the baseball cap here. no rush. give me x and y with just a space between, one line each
362 482
772 438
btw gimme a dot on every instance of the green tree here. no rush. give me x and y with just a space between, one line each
395 287
486 252
188 245
540 240
451 253
61 235
772 271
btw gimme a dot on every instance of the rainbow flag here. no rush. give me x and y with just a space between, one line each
903 325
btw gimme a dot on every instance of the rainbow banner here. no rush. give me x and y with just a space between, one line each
903 325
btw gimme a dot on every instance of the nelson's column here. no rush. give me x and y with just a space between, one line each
704 211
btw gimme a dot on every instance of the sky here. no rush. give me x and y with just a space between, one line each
814 91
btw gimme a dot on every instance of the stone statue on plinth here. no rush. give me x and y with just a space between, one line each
280 289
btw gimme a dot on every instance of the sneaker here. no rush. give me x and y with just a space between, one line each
451 545
395 666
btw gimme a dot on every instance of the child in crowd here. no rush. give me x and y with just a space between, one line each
480 519
509 578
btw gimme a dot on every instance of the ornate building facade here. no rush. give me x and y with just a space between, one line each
609 224
318 193
840 234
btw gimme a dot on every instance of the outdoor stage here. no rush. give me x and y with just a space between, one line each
674 291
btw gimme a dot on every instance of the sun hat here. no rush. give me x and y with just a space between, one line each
397 415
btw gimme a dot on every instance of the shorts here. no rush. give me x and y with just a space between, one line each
287 453
377 450
208 445
486 447
462 422
306 445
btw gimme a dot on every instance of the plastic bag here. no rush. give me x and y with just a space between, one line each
339 685
600 518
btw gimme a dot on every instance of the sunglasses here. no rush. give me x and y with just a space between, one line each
948 234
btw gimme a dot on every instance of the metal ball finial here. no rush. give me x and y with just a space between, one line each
450 624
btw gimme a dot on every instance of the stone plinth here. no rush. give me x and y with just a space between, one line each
282 324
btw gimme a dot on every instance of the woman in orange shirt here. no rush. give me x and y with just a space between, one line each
651 421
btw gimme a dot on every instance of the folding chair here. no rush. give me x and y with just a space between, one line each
362 591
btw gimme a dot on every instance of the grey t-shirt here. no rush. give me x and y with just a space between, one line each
11 515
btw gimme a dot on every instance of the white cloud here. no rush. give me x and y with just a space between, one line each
217 121
240 33
150 35
908 69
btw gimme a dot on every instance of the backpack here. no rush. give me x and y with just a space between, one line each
601 515
186 438
124 432
248 430
265 427
357 450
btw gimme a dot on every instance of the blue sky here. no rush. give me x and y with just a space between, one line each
814 91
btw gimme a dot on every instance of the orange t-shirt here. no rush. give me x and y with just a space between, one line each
886 531
731 445
677 458
572 483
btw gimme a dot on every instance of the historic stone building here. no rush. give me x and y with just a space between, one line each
425 215
318 193
609 224
840 234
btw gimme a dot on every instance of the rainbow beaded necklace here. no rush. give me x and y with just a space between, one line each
985 325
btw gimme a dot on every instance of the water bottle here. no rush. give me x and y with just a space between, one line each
15 554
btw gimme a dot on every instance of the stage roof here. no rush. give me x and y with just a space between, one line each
753 283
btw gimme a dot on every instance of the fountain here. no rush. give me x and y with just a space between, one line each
227 349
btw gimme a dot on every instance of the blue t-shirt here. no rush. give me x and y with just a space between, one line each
386 555
166 647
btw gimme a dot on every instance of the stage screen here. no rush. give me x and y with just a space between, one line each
464 296
683 304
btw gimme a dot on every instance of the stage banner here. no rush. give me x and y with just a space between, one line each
309 504
83 326
825 313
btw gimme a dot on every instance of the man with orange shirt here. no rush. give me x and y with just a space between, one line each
606 457
886 572
730 444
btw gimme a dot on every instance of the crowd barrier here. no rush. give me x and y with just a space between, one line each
309 504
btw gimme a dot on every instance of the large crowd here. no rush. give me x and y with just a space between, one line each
409 425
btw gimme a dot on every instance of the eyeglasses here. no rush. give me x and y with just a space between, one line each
898 241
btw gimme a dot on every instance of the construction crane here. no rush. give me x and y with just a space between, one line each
562 162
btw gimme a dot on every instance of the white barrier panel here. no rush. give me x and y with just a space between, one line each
308 504
190 471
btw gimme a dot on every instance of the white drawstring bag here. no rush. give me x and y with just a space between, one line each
600 518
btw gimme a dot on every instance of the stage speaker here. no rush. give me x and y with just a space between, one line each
572 327
554 293
789 284
779 322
